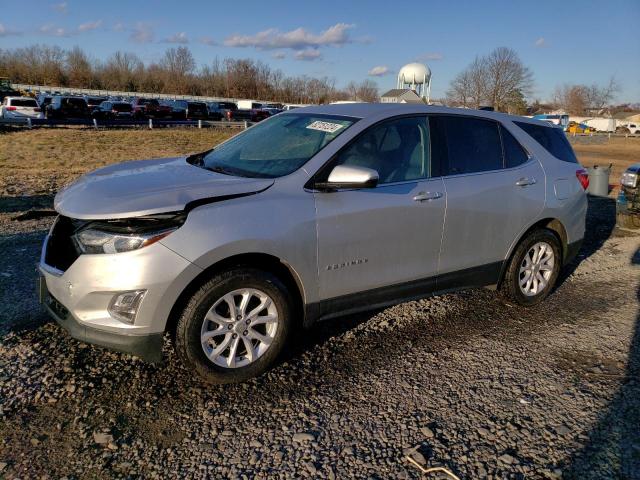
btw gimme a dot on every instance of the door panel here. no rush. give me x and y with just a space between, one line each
378 237
486 212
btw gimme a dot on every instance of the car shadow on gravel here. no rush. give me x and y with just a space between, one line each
600 225
613 448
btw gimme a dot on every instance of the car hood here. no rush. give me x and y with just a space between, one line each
145 187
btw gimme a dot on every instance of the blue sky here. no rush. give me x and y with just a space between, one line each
562 42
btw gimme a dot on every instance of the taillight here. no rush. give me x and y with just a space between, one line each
37 109
583 178
229 114
11 109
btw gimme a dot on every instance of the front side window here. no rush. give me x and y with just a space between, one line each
552 139
275 147
466 144
397 149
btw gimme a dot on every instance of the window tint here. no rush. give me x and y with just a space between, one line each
397 149
514 154
552 139
23 102
466 145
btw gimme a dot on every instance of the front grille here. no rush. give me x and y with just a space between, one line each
61 251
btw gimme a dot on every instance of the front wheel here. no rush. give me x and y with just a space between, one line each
533 269
235 326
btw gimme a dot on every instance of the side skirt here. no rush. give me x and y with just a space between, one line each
481 276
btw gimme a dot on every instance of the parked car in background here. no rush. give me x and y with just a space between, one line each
252 115
187 110
384 203
150 108
575 127
20 108
111 110
273 108
43 100
94 102
67 107
218 110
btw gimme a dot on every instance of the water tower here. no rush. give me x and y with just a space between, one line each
417 77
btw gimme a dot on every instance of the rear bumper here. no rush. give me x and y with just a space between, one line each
148 347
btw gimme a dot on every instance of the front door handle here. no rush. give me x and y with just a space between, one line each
426 196
523 182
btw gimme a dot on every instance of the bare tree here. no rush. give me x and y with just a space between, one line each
80 72
498 79
581 99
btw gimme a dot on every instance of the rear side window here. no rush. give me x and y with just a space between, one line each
552 139
466 145
514 154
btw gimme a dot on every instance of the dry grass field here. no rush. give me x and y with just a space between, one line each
39 162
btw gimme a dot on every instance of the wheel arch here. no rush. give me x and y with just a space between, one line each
262 261
553 225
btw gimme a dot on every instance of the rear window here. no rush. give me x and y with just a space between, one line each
75 102
197 106
148 101
121 107
466 144
552 139
228 106
24 102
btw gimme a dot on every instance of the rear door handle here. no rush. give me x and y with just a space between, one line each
426 196
523 182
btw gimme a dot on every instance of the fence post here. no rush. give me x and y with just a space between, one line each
95 123
199 123
150 124
246 125
29 122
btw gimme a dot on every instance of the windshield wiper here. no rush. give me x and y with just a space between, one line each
223 170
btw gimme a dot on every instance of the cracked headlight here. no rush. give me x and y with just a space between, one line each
119 236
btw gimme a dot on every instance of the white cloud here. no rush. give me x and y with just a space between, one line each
60 7
50 29
541 42
5 32
142 33
118 27
309 55
88 26
208 41
180 37
298 39
278 55
430 56
379 71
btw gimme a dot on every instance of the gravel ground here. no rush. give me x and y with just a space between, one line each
466 381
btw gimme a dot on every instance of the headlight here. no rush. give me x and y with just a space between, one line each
119 236
629 179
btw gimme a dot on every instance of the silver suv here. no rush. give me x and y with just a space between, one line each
315 213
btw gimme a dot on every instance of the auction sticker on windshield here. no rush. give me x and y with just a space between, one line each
325 126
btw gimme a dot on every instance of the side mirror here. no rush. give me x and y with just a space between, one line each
345 176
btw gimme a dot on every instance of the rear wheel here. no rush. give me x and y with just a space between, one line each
533 269
235 326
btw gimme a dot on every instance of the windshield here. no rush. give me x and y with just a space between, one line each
275 147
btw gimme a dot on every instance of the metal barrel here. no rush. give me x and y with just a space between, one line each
599 180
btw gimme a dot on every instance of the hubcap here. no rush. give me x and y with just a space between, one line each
536 269
239 328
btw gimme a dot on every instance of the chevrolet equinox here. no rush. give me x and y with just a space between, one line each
314 213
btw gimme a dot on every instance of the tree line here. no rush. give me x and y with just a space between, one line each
176 73
501 80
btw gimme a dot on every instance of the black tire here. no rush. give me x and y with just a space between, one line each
510 286
188 330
